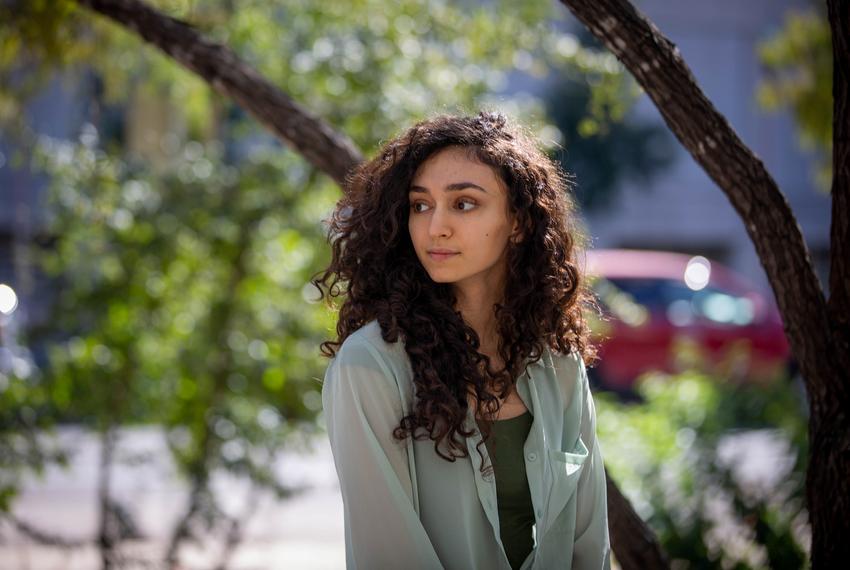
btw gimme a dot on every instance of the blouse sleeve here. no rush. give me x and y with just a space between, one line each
362 406
592 548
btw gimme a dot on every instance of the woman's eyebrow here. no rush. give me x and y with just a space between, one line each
453 187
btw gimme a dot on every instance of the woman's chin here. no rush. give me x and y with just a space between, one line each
441 277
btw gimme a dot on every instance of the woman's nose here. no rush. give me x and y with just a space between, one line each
440 225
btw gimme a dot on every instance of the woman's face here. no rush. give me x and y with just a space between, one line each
459 220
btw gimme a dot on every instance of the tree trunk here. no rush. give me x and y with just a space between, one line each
106 534
635 545
828 477
817 331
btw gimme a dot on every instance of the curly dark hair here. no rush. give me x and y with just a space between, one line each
375 269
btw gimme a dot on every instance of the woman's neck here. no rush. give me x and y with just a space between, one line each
481 317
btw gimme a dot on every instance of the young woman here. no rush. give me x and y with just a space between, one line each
457 402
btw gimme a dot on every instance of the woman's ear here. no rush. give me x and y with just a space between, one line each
516 232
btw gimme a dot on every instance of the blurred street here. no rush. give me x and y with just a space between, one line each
304 532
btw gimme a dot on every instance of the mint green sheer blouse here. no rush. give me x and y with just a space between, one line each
405 507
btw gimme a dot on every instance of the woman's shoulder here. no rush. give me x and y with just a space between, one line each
571 359
570 371
370 332
568 361
369 337
366 347
366 363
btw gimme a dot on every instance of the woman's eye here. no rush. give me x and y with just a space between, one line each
415 206
471 203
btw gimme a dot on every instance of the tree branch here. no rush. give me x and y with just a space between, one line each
43 537
328 150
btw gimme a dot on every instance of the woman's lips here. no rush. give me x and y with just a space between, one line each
440 256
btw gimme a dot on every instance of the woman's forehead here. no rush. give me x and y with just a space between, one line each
454 165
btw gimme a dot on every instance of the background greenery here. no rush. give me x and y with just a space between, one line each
680 455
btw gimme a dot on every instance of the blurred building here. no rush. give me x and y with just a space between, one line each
58 112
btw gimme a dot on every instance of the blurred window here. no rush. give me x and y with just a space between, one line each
682 304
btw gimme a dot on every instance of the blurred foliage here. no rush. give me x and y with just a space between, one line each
31 33
22 450
798 65
182 298
366 66
716 468
602 145
181 302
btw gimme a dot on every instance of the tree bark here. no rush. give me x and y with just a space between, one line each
839 274
636 546
328 150
107 537
817 330
830 434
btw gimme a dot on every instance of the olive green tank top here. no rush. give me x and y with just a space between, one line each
516 512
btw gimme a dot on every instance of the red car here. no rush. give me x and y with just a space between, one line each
669 311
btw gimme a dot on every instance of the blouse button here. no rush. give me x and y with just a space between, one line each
532 456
